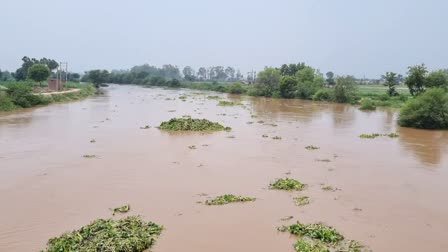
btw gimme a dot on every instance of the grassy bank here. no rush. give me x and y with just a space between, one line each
21 94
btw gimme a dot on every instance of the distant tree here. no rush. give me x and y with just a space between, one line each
437 78
230 72
236 88
330 78
239 76
291 69
267 82
288 86
74 77
157 81
416 79
309 82
391 80
202 73
51 64
189 74
38 73
345 89
98 77
174 83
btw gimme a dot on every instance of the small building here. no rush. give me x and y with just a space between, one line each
54 84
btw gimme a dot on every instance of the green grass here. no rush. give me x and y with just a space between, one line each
128 234
287 184
227 199
190 124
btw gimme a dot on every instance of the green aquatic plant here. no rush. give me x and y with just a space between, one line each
302 200
265 136
303 245
228 103
145 127
89 156
392 135
128 234
375 135
227 199
312 147
192 147
277 138
328 188
287 184
317 231
121 209
190 124
213 97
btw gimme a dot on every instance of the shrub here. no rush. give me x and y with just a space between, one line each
236 88
21 95
427 111
6 103
288 86
173 83
323 95
367 104
157 81
345 88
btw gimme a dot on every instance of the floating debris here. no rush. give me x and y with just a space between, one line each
93 141
375 135
145 127
227 199
312 147
89 156
302 200
277 138
189 124
121 209
287 184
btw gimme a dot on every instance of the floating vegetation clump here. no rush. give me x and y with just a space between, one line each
317 231
303 245
277 138
329 188
213 97
265 136
287 184
145 127
375 135
250 122
312 147
323 160
192 147
93 141
228 103
227 199
121 209
183 97
171 111
190 124
260 121
89 156
302 200
128 234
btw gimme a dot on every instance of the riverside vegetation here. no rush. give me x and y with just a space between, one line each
190 124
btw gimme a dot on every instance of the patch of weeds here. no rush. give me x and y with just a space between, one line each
190 124
228 103
227 199
302 200
121 209
128 234
89 156
145 127
375 135
287 184
329 188
317 231
303 245
277 138
312 147
183 97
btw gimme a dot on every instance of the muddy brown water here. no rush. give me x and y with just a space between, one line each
392 197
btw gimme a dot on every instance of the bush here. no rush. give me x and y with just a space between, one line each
288 86
157 81
345 89
367 104
236 88
6 103
21 95
323 95
173 83
426 111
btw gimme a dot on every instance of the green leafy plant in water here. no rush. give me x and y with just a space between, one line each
303 245
302 200
287 184
190 124
228 103
312 147
128 234
89 156
265 136
121 209
277 138
328 188
317 231
228 198
213 97
375 135
145 127
192 147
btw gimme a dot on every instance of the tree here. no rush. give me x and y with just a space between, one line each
230 72
330 78
173 83
437 78
391 80
309 82
38 73
345 88
239 76
236 88
98 77
427 111
288 86
267 81
202 73
416 79
189 73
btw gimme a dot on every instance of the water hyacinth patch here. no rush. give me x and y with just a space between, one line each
317 231
227 199
375 135
302 200
228 103
128 234
190 124
287 184
303 245
89 156
312 147
121 209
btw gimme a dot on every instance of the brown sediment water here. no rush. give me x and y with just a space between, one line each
392 193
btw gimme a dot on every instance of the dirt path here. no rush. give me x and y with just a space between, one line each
62 92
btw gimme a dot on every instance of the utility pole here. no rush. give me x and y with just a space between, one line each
63 73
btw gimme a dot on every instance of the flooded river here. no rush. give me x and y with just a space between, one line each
392 191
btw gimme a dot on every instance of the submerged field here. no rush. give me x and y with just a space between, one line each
384 192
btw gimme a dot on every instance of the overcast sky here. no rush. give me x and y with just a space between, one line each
358 37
